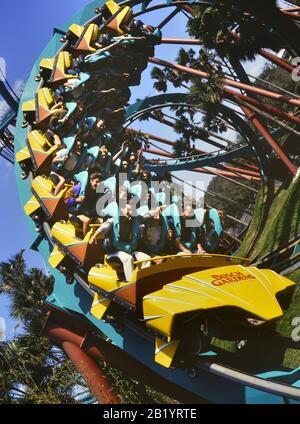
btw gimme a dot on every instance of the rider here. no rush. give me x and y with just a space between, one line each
124 244
190 231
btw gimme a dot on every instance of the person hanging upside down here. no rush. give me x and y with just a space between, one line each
63 164
83 206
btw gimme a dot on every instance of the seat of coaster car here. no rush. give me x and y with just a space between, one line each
116 264
86 37
109 278
117 18
68 236
41 151
62 63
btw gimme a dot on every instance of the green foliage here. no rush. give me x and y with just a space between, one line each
32 371
205 95
133 392
281 78
283 222
215 26
245 198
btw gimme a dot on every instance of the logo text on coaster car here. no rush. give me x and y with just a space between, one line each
232 277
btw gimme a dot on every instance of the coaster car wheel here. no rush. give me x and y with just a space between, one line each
240 344
192 372
119 327
99 10
38 227
70 278
38 219
25 174
26 168
69 275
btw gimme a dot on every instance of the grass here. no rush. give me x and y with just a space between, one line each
282 223
284 326
252 230
271 352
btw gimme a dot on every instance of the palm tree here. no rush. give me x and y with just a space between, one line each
31 369
256 24
205 95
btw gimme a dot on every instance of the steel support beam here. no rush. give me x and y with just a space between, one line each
68 329
91 373
267 136
227 81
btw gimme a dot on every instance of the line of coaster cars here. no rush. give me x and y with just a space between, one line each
181 301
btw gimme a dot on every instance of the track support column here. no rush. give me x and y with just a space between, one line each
267 136
90 371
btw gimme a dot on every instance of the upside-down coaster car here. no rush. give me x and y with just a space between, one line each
180 300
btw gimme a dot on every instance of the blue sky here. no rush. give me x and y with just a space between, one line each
26 27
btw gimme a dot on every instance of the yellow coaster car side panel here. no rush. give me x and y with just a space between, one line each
41 150
76 30
22 155
249 289
46 96
123 17
64 235
90 35
31 206
165 351
105 278
37 138
56 257
41 157
67 58
42 186
63 63
51 204
99 306
28 106
112 6
47 63
147 280
64 232
45 100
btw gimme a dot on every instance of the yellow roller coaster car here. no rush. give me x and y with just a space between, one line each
117 18
23 158
41 151
38 111
85 37
55 70
70 241
43 198
186 299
